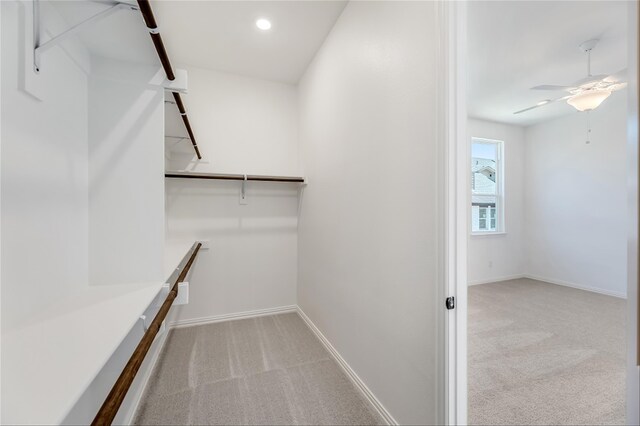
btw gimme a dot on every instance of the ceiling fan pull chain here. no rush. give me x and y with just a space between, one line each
588 128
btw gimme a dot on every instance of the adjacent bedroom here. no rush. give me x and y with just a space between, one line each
547 212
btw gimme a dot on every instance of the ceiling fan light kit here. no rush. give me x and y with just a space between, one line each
588 100
588 93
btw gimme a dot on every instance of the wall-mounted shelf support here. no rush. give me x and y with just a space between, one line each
39 49
243 191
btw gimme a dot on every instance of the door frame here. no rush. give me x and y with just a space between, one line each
455 209
633 291
456 200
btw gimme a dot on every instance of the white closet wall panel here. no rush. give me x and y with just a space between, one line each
44 175
126 174
369 226
247 126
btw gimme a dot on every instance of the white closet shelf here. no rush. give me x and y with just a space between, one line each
56 357
174 251
227 176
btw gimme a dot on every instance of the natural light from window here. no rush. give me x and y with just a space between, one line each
486 186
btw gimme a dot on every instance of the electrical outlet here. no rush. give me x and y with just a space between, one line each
491 264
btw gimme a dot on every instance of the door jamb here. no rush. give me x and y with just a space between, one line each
456 201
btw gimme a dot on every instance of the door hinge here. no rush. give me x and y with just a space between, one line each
450 303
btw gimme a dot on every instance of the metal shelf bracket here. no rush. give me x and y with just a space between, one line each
39 48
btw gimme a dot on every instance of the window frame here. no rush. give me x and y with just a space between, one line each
500 193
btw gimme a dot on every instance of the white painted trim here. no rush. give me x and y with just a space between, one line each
551 281
233 316
446 219
458 196
498 279
500 185
130 416
486 234
349 371
576 286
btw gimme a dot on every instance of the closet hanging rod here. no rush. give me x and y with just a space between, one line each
152 26
185 120
110 407
223 176
156 38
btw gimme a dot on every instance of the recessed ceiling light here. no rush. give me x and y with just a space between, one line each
263 24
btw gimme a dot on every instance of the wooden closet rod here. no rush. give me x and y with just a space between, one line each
152 26
222 176
110 407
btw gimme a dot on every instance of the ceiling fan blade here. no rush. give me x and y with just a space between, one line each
543 103
620 76
590 79
551 87
617 86
528 109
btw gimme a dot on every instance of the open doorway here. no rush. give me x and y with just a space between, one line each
547 212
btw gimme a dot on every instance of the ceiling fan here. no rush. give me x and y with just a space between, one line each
588 93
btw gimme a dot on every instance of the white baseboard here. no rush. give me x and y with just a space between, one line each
234 316
349 371
550 281
497 280
577 286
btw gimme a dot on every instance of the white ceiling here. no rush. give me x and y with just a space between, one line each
219 35
512 45
222 35
515 45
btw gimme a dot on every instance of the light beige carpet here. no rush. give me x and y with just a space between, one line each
268 370
545 354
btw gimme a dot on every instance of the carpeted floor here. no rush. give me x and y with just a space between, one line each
541 353
268 370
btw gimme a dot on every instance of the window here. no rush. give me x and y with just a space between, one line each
487 213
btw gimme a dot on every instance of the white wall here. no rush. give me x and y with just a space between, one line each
501 256
368 232
79 165
565 202
242 125
44 175
126 209
576 199
126 174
